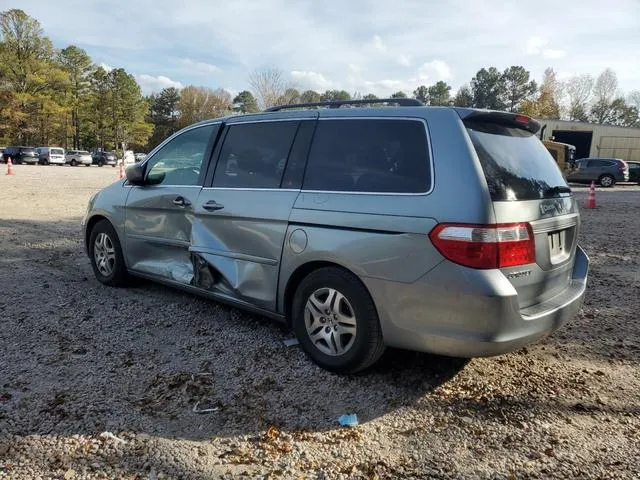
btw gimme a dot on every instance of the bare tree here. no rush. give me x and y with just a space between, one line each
605 91
633 99
268 85
605 88
201 103
579 88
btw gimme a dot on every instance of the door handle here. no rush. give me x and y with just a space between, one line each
181 201
212 206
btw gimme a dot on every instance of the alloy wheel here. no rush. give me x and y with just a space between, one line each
330 321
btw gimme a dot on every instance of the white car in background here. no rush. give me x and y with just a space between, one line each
50 155
128 158
78 157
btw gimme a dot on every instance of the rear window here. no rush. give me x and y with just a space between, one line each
369 155
28 150
516 164
57 151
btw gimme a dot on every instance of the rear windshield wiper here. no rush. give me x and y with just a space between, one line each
556 190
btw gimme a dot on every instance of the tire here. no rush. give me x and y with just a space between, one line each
74 163
607 181
113 271
355 308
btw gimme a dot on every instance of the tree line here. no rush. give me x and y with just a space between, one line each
60 97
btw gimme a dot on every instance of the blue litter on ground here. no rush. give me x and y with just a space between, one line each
348 420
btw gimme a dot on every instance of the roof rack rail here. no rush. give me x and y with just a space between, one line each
401 102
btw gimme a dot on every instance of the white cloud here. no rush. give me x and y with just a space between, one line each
434 71
354 68
378 44
107 68
313 80
534 45
538 46
551 53
405 60
149 83
199 66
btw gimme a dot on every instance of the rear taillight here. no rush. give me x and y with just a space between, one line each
485 246
622 165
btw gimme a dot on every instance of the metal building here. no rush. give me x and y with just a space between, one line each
592 140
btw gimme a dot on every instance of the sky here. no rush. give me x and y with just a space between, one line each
366 46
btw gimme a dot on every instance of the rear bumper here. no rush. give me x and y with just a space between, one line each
470 313
29 160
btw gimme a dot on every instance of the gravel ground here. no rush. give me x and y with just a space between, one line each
98 382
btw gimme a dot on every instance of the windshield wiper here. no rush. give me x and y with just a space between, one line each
556 190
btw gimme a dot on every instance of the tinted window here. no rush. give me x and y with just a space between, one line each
516 165
599 163
179 162
367 155
254 155
27 150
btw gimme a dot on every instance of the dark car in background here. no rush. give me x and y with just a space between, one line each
20 155
604 171
634 172
102 158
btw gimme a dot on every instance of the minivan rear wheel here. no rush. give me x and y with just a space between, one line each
607 181
106 256
335 321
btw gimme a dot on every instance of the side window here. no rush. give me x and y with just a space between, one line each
254 155
179 162
369 155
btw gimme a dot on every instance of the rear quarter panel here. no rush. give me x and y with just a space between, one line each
384 236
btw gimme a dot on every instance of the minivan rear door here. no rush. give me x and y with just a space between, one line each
243 212
526 186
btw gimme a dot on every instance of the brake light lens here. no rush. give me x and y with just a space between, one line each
522 119
485 246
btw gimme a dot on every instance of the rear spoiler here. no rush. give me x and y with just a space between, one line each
507 119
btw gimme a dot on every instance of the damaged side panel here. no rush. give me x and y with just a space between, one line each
237 250
242 279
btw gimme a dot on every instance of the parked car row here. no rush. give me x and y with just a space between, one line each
58 156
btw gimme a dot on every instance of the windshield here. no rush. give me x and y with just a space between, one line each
516 165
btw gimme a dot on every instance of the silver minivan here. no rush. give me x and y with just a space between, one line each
438 229
51 155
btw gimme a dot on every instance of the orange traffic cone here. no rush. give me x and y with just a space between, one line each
121 171
591 199
9 166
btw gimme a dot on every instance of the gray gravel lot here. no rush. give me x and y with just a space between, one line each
98 382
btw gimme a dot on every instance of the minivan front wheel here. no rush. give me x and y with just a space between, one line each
106 256
607 181
336 322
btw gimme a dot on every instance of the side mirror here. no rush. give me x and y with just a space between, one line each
135 174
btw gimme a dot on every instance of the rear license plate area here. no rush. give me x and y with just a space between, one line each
558 248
